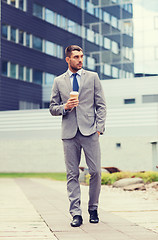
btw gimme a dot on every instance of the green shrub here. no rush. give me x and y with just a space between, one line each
148 177
110 178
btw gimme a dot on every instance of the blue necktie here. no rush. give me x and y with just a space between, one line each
75 83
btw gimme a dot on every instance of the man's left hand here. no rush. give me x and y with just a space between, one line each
98 133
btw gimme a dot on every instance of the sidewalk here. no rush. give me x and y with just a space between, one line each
37 209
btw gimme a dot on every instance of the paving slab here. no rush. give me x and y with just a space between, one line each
38 209
140 207
19 220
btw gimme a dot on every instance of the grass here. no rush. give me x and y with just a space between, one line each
107 178
53 176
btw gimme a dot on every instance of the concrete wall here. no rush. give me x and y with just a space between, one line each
30 140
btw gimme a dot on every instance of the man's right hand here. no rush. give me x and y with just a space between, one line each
71 103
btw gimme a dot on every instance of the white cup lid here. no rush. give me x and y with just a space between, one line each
74 93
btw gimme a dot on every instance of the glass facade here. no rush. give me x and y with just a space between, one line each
110 26
20 37
145 19
27 74
127 32
119 38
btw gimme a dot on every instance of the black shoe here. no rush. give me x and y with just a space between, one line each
93 216
77 221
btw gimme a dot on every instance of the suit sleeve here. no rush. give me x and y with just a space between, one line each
100 105
56 107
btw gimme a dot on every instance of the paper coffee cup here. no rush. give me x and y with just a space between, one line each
74 94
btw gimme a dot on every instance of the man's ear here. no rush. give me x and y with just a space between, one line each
67 59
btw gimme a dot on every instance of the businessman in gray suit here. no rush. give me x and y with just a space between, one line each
83 120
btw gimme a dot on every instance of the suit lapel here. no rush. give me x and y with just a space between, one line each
82 80
68 83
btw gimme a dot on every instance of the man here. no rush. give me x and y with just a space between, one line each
83 120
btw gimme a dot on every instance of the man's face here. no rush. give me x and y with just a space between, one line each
75 61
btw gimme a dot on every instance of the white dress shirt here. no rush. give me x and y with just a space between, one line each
78 76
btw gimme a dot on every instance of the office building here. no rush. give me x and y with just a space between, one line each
34 34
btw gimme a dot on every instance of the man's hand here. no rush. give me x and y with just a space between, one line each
98 133
71 103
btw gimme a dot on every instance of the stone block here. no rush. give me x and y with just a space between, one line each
127 181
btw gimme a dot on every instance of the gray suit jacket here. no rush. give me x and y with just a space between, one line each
89 115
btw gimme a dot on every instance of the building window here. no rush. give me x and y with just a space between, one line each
91 63
78 3
64 23
58 20
27 39
71 26
21 72
21 4
118 145
50 48
13 34
37 43
28 105
107 69
46 104
107 43
37 76
21 37
67 24
4 68
115 47
127 27
37 10
59 51
96 38
49 16
90 35
4 31
13 70
53 49
106 17
129 101
96 12
78 30
115 72
49 78
150 98
100 40
114 21
13 2
28 74
90 8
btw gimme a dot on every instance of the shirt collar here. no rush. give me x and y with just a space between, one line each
78 72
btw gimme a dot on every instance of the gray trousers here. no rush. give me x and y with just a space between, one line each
72 152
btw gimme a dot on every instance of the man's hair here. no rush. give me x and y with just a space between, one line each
71 48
